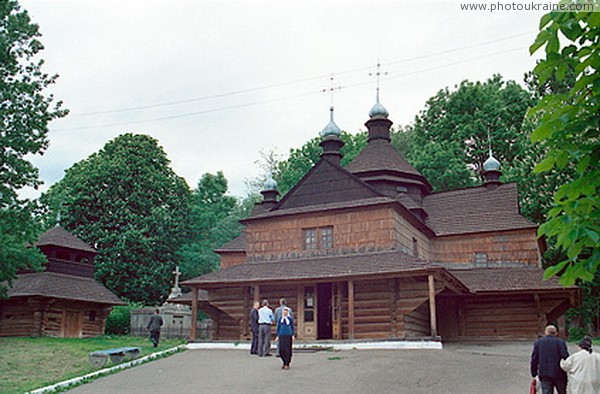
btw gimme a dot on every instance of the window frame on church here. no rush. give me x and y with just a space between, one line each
318 238
310 239
481 259
326 238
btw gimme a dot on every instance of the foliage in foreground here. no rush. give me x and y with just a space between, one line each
25 112
30 363
569 124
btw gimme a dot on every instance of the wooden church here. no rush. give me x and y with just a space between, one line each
370 252
62 301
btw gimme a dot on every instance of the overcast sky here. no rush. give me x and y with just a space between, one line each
216 82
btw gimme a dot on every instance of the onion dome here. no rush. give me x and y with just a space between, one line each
491 164
270 184
331 128
378 111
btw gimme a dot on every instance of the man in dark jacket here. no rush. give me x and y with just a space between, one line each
254 327
154 326
545 362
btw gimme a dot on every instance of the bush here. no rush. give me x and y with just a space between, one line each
118 321
576 333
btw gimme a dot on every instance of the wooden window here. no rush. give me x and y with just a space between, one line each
92 315
415 247
309 304
318 238
326 238
310 239
481 259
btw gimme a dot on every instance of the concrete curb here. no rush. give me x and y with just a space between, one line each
105 371
436 345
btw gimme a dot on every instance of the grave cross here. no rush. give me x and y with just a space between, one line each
177 274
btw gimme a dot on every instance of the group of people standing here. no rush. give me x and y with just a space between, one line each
261 320
550 362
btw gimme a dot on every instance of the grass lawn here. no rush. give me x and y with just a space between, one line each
30 363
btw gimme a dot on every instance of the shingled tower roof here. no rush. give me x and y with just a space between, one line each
58 236
381 166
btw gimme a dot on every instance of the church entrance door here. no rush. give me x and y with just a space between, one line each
329 311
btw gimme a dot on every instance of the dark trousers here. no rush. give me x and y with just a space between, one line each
155 337
264 339
549 384
285 349
254 344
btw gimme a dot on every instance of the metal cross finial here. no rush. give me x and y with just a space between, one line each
177 274
377 74
331 89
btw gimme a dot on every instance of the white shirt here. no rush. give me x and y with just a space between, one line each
265 315
583 369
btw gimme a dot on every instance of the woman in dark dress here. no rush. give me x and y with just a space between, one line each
285 336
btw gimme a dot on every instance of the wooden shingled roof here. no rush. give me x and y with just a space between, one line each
369 264
237 244
68 287
378 155
476 209
58 236
493 280
326 183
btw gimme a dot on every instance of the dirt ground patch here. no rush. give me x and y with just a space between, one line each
458 368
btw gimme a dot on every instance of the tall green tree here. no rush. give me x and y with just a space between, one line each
215 221
569 124
126 200
452 131
25 112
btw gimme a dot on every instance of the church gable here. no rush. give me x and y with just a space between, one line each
326 183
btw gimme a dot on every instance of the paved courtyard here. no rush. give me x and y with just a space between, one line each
458 368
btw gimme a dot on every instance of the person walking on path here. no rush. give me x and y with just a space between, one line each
279 313
583 369
154 326
254 327
285 337
265 319
547 353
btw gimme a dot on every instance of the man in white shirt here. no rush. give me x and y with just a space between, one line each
265 319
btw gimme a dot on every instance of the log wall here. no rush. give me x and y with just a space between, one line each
47 317
16 319
388 308
500 317
410 295
416 323
232 302
235 303
274 293
371 310
519 246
